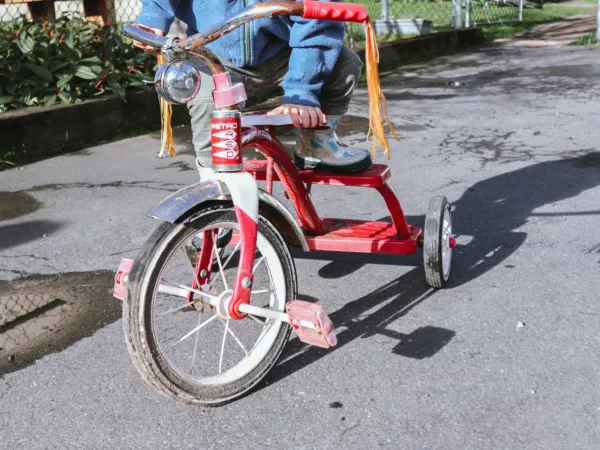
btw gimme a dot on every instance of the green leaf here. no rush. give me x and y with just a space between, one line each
92 60
59 66
49 100
62 76
85 73
25 43
64 81
40 71
69 40
71 53
96 69
65 97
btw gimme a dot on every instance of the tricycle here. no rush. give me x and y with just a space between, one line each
211 299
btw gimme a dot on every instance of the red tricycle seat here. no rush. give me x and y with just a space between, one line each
375 176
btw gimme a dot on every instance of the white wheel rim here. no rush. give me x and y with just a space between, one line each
255 351
445 243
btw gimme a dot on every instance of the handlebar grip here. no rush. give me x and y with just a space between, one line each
342 12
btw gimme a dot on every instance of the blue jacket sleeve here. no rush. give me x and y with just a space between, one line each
158 13
316 46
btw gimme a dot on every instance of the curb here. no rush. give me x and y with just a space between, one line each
420 48
33 134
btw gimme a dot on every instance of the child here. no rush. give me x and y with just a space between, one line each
305 57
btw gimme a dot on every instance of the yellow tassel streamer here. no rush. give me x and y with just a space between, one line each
377 102
166 135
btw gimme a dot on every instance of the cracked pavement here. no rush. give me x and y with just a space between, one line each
507 357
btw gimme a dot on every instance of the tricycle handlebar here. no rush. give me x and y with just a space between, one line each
343 12
143 36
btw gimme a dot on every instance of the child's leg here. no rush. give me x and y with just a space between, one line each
200 108
322 149
258 85
338 89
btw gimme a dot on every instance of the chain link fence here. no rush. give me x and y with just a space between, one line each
481 12
113 11
393 18
408 18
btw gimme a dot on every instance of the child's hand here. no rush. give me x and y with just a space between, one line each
145 47
302 116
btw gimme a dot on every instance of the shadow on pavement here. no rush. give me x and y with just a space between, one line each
488 216
21 233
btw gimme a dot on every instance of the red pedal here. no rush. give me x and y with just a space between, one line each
322 332
121 278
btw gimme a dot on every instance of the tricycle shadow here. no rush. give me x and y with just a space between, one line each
487 221
400 297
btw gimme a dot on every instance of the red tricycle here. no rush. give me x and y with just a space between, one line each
210 300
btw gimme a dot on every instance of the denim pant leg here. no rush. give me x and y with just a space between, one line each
200 109
338 89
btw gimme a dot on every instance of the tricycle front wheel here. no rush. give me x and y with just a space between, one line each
438 242
183 347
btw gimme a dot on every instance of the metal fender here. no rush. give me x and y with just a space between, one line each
179 207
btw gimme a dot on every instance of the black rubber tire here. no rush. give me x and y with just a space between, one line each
432 243
139 334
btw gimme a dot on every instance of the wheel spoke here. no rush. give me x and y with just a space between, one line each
261 336
171 290
258 263
256 319
195 330
220 266
237 247
235 337
196 291
169 311
262 291
195 348
223 347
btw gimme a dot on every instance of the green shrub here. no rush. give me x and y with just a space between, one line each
65 61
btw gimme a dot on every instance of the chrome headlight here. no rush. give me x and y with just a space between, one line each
177 81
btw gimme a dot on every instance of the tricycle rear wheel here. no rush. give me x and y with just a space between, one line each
437 251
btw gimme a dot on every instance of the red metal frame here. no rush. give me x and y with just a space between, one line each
287 173
204 263
341 235
241 292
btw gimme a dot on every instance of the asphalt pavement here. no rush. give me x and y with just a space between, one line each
508 357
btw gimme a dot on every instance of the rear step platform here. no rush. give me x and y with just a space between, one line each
359 236
375 176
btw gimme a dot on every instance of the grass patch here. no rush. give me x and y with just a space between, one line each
589 39
532 17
